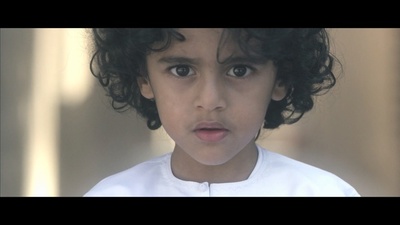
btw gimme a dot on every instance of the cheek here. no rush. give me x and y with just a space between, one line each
257 101
261 106
251 112
257 111
170 109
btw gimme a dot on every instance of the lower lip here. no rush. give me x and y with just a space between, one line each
211 135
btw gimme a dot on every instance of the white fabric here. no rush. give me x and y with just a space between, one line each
273 175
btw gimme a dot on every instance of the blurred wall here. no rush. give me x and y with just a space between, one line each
354 130
60 136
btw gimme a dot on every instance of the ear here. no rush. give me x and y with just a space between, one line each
279 91
145 87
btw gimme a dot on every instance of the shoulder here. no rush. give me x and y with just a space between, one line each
300 178
126 182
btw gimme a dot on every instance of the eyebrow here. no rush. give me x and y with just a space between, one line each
178 60
244 59
230 60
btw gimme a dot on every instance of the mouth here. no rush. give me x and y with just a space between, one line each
210 131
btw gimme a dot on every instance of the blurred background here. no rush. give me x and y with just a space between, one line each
60 136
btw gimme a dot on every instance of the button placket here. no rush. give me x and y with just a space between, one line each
203 187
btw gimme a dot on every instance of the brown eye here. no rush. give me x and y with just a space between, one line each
182 70
239 71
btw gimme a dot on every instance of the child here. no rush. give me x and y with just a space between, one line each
213 90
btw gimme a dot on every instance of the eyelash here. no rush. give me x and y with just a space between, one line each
180 65
249 69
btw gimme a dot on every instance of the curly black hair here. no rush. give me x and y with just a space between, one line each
302 56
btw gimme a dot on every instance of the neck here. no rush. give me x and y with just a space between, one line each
236 169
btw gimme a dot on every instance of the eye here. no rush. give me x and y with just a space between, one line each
181 70
239 71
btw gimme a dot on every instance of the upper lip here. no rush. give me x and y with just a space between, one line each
209 125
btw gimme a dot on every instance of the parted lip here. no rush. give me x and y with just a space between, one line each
211 125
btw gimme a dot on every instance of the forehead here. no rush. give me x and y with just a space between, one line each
219 41
201 34
210 38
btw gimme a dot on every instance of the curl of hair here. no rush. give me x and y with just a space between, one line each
305 67
119 58
302 56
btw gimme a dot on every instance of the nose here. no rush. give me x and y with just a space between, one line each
211 93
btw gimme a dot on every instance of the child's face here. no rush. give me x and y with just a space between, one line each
211 110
